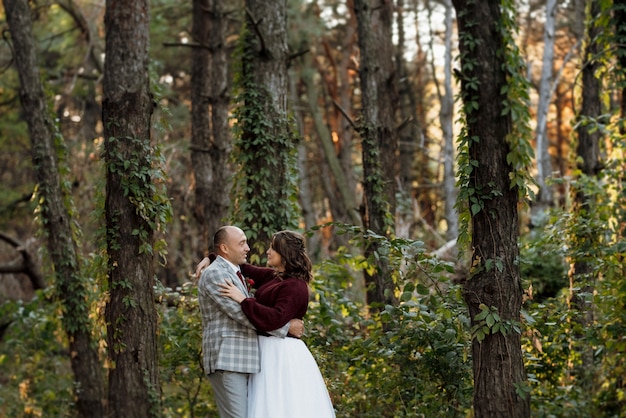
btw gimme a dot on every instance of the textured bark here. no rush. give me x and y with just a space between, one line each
497 360
134 389
379 140
211 142
266 59
56 220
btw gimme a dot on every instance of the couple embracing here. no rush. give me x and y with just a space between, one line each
256 363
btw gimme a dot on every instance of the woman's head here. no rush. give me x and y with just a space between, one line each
288 255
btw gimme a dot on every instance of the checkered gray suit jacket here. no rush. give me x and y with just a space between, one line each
229 341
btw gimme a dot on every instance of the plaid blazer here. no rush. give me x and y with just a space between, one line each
229 340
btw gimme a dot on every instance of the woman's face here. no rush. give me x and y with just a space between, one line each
274 259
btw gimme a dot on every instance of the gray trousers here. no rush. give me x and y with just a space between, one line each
230 390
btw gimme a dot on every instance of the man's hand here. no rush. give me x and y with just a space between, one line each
296 328
201 266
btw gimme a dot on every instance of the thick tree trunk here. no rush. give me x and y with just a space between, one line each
264 65
495 281
379 141
134 389
55 218
211 142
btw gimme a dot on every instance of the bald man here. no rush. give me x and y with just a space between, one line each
229 341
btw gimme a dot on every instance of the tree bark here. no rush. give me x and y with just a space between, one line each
211 142
446 116
379 140
348 201
408 135
495 280
544 163
267 140
134 389
56 220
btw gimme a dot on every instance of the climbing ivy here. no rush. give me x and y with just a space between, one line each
515 99
264 149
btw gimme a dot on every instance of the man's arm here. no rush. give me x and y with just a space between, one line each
293 328
233 309
208 286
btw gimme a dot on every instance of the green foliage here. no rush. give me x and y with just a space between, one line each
187 392
488 321
142 178
543 263
375 182
575 359
515 103
409 360
35 373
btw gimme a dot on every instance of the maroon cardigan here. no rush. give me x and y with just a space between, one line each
276 301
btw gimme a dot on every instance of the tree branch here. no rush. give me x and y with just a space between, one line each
255 25
345 114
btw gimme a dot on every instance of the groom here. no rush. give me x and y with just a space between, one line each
229 341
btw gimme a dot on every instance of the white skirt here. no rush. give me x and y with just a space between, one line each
289 385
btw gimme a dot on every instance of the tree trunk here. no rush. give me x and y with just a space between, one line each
446 117
544 164
408 134
347 201
211 142
134 389
379 143
495 280
56 220
266 144
582 277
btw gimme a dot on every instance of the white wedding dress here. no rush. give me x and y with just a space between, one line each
290 384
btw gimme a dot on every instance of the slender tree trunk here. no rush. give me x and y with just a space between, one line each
211 142
408 134
306 192
56 220
426 199
348 201
446 119
495 280
379 143
134 389
544 164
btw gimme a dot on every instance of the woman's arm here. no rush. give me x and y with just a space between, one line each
286 300
259 275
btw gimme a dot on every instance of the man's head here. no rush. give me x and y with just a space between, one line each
231 243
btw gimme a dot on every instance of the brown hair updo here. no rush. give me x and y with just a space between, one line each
290 246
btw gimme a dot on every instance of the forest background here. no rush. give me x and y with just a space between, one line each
457 168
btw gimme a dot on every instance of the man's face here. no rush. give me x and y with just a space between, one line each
236 247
